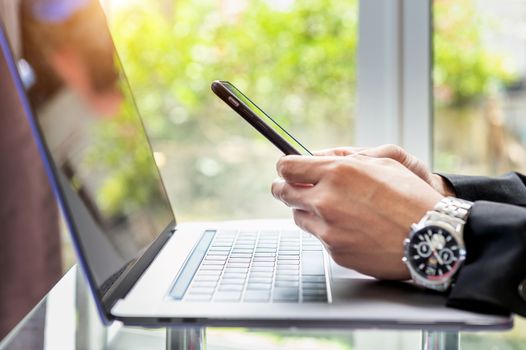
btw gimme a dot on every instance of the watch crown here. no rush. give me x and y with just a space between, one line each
404 259
406 241
414 227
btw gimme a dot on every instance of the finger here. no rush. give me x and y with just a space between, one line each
401 156
301 169
394 152
296 197
308 222
338 151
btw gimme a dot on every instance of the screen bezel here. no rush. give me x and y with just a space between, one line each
222 89
131 273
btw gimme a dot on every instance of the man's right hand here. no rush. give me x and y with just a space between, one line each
397 153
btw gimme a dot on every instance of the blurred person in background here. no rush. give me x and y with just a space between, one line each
67 66
30 259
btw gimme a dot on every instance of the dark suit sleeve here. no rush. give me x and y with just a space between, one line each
509 188
495 237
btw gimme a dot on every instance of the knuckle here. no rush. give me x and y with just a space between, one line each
284 167
323 206
284 193
275 188
338 170
397 153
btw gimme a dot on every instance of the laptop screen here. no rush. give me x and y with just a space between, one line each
90 126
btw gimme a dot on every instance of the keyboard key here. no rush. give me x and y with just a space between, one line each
285 283
220 249
239 260
287 278
316 292
312 264
289 252
211 257
256 296
263 286
285 294
242 251
204 284
313 285
206 278
238 281
232 275
240 255
196 290
288 268
265 250
222 245
288 262
238 265
282 271
260 280
318 278
213 262
211 267
314 299
264 258
236 270
262 263
258 255
261 274
288 257
230 287
208 273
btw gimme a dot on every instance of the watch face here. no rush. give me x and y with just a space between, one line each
434 253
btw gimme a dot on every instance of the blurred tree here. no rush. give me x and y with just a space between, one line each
465 69
274 52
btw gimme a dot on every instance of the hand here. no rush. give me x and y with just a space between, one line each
400 155
360 207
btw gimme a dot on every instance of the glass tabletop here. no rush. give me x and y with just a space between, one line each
66 319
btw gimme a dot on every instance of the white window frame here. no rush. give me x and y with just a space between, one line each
394 84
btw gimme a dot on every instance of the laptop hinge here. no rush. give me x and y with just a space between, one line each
131 274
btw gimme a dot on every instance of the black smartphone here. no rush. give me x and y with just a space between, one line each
256 117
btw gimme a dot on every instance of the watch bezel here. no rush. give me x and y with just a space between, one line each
440 283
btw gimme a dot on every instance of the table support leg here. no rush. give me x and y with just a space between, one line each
185 339
435 340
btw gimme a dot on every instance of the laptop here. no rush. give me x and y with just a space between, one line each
143 267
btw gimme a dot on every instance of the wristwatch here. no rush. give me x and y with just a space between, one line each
434 251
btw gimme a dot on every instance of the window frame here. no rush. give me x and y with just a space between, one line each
394 84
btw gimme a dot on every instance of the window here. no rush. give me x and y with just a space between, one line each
479 86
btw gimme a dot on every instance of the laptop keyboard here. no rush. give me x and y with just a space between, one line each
260 266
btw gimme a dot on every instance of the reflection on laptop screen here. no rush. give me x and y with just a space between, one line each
93 132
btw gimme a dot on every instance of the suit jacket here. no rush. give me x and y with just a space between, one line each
495 238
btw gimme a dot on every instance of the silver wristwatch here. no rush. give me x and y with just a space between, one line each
434 250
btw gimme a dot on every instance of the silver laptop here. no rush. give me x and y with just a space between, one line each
144 268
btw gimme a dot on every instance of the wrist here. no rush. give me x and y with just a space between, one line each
443 186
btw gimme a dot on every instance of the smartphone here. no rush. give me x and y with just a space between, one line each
256 117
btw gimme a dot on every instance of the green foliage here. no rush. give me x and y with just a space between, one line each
300 56
465 70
